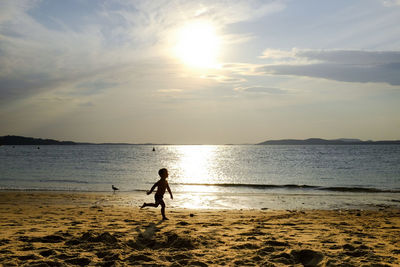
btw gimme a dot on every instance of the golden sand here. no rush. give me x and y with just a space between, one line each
64 229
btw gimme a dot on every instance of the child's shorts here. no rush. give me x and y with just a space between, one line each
159 199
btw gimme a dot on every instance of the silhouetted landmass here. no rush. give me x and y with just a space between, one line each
319 141
20 140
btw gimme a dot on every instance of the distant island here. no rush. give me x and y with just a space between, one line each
319 141
14 140
21 140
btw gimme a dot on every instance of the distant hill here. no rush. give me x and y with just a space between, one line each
319 141
20 140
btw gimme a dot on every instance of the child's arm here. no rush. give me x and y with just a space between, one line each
152 188
169 190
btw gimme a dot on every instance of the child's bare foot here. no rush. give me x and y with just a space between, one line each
144 205
165 218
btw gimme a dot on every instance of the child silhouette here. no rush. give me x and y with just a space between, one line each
161 185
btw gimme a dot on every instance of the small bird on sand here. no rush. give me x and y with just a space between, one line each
114 188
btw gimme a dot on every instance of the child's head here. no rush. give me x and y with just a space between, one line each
163 173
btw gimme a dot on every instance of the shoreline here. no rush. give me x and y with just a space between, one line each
231 200
51 229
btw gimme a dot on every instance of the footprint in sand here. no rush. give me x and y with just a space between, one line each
307 257
198 263
246 246
179 257
47 253
78 261
28 257
134 259
4 241
43 239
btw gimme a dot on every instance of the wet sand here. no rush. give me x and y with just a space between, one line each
64 229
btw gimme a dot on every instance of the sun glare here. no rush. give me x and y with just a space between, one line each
196 164
198 45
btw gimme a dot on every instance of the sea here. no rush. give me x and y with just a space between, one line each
266 177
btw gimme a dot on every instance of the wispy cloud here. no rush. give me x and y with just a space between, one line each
390 3
340 65
220 78
261 90
169 90
242 69
42 50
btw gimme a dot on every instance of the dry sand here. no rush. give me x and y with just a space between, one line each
63 229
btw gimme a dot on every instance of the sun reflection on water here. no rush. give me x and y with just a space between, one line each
196 164
194 168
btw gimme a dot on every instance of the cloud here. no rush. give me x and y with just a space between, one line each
10 9
261 90
86 104
243 69
340 65
278 54
93 87
351 56
239 10
45 45
169 91
390 3
223 78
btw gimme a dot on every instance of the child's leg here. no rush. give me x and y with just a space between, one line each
155 204
149 205
163 210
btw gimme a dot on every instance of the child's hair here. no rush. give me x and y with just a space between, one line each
162 171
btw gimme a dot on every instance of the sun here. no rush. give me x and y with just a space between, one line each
198 45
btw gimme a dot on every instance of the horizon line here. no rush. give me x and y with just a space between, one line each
344 140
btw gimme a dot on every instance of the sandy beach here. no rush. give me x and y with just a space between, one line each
66 229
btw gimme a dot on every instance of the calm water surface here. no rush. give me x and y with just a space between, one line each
249 171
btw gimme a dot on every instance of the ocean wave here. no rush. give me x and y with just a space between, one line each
46 181
359 189
298 186
64 181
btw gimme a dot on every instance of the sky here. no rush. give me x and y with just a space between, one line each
200 72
